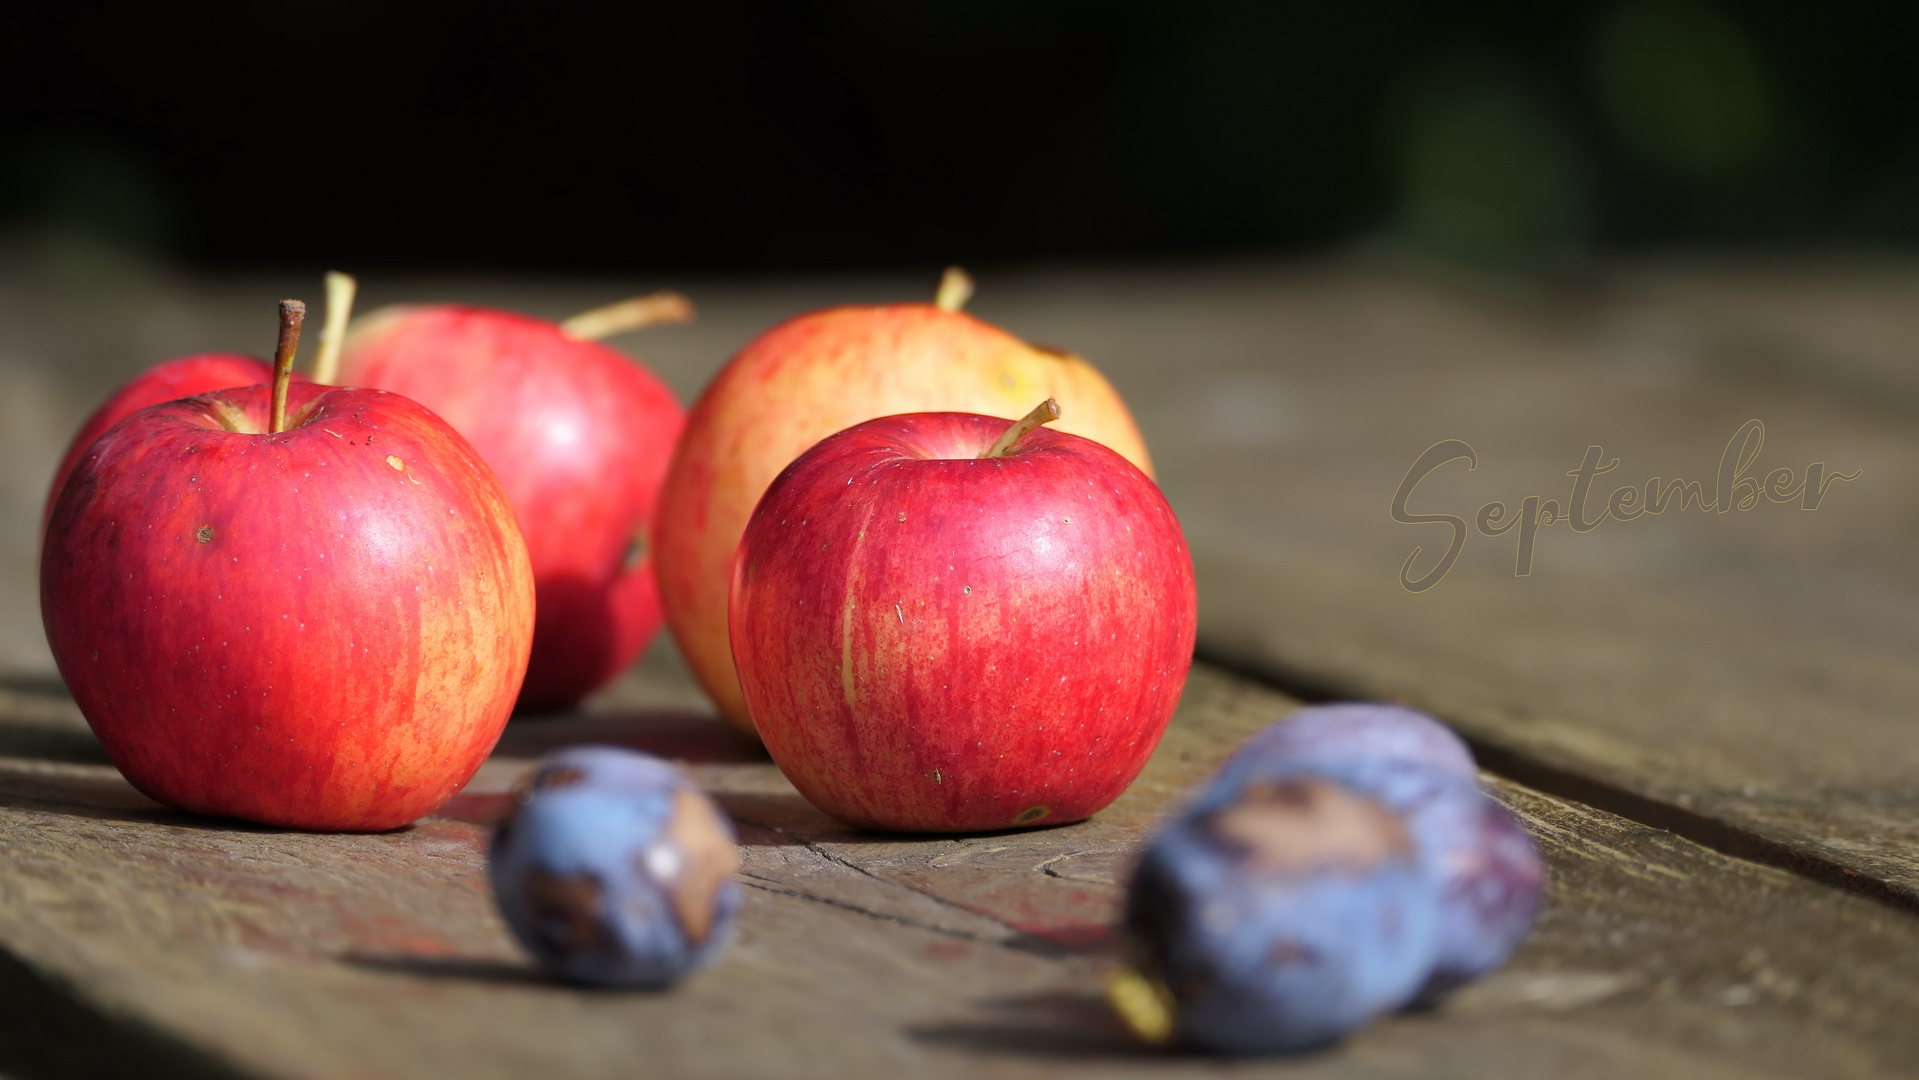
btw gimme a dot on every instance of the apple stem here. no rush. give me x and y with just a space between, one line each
292 314
339 308
659 309
1043 412
956 288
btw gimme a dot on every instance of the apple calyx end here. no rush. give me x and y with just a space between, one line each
955 289
222 412
230 417
1045 412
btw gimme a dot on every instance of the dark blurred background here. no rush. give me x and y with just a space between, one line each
779 134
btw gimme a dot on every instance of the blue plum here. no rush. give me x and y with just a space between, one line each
1488 870
1491 878
615 871
1283 917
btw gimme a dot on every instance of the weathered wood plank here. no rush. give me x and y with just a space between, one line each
293 955
1747 673
1752 668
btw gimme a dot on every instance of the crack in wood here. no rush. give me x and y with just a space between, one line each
1017 939
770 885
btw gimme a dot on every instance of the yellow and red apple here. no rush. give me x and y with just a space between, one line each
810 377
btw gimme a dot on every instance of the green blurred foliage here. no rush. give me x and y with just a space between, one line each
1683 87
780 134
1488 172
89 188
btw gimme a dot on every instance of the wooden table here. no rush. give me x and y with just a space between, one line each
1706 719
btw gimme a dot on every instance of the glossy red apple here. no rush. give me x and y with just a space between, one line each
580 436
169 381
817 374
935 633
322 626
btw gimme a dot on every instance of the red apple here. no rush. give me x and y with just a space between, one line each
580 436
321 627
933 636
810 377
170 381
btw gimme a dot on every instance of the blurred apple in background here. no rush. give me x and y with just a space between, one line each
817 374
298 605
580 436
949 622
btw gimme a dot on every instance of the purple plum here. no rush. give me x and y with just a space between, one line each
1488 870
1491 878
1283 917
615 871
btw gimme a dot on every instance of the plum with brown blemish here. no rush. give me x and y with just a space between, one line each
1490 873
1277 920
615 871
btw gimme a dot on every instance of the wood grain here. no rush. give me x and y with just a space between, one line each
215 945
1754 668
1746 678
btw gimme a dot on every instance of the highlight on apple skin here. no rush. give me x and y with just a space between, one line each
820 373
1278 918
934 639
580 436
323 627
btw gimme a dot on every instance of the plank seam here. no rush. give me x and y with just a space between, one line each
1526 768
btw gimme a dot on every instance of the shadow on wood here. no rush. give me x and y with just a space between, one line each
677 735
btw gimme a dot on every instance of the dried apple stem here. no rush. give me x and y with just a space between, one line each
292 314
1043 412
956 288
659 309
339 308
